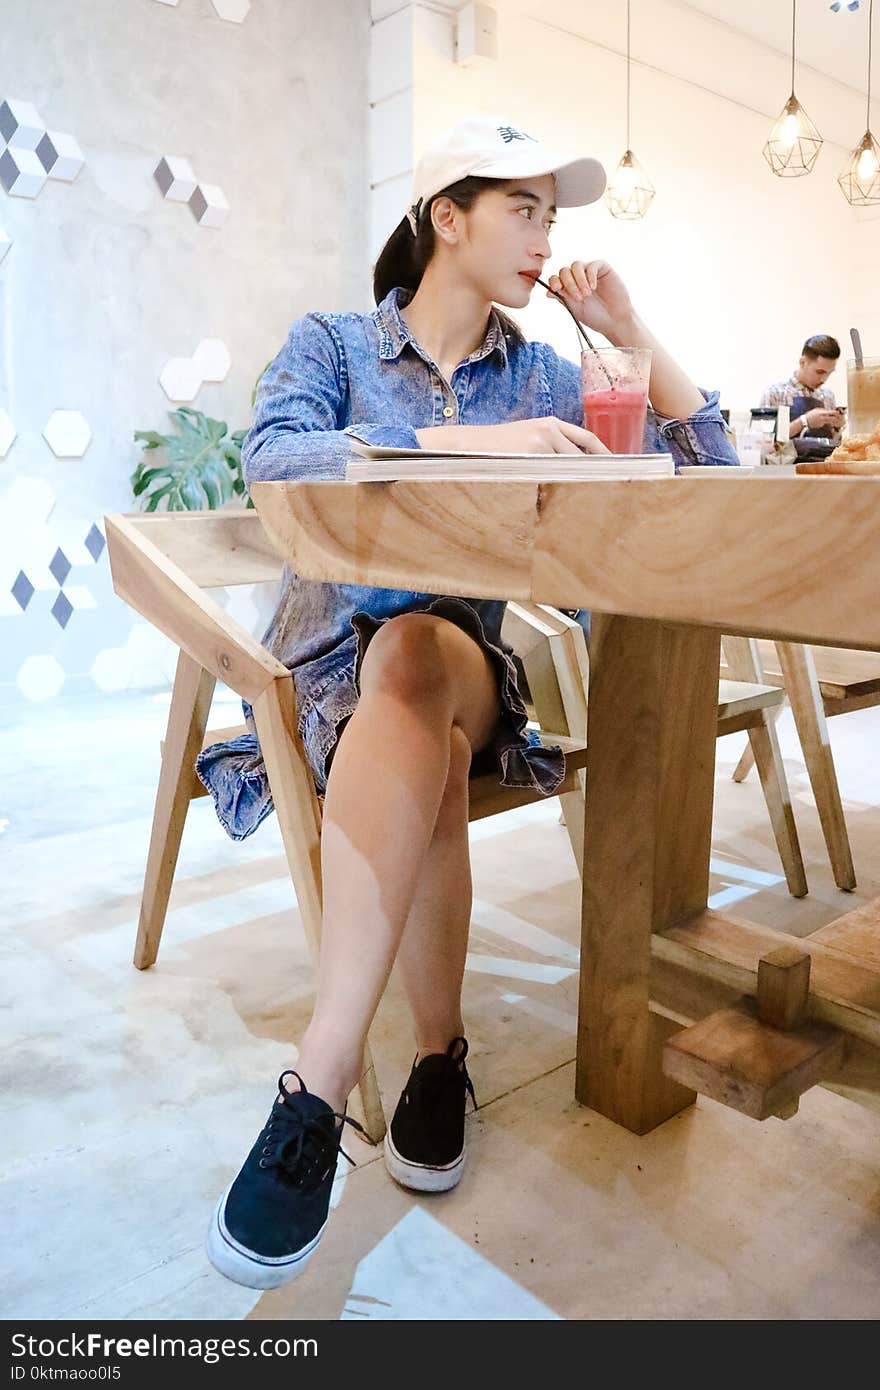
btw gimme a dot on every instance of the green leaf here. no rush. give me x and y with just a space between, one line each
153 440
141 481
200 466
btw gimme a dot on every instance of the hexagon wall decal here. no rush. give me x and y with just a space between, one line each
40 677
80 597
211 359
232 10
21 172
208 205
67 433
28 498
60 156
21 124
175 177
179 379
7 434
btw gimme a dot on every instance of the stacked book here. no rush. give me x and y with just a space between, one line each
372 465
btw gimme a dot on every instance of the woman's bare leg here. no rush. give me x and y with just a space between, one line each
433 949
421 678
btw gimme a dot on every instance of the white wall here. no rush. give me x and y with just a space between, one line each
733 267
106 280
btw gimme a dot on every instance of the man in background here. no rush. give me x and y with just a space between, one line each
813 411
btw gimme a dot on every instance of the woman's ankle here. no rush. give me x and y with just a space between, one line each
326 1073
432 1044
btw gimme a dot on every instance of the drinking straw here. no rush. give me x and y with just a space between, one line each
857 347
581 330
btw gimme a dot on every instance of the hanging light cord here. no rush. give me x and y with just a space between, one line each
793 13
629 72
870 37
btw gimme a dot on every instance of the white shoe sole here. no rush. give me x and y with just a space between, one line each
419 1177
245 1267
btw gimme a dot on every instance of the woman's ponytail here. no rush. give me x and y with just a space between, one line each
403 258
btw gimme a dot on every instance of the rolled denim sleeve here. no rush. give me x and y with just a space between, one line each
700 439
300 406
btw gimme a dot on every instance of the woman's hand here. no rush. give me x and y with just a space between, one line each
545 435
595 294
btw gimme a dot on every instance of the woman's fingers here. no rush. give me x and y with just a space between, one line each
584 441
575 281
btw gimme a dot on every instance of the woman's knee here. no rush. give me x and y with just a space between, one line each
454 805
406 658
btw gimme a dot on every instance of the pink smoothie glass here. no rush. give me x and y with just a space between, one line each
615 386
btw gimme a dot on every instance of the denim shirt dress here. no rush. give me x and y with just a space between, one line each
365 375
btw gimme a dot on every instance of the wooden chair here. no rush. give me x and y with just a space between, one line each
819 682
161 564
559 673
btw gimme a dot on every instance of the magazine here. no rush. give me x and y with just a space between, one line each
370 464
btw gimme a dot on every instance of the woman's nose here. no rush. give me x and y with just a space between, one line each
542 247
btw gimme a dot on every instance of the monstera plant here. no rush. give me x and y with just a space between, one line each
199 466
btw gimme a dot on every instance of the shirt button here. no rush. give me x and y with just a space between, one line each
448 411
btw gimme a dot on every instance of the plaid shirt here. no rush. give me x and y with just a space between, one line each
784 393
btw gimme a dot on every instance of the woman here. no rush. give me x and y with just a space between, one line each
400 694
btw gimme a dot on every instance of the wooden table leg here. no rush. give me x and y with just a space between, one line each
650 778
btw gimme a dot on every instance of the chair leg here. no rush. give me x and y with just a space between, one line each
805 698
299 817
187 720
744 663
747 757
745 764
771 769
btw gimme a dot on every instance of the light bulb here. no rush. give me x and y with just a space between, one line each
624 181
867 166
788 132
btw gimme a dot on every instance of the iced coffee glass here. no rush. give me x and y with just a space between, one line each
863 396
615 386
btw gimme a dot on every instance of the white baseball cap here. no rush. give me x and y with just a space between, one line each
490 148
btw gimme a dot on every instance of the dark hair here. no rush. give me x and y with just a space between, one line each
404 257
821 346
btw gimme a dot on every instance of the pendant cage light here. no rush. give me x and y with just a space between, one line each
860 179
794 143
629 192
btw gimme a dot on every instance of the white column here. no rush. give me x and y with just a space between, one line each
403 39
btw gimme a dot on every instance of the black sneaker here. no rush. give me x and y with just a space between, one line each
425 1144
269 1221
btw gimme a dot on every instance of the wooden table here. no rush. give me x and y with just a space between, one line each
665 566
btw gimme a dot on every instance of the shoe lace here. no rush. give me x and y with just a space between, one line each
431 1087
302 1148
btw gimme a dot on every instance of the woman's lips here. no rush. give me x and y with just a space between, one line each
527 275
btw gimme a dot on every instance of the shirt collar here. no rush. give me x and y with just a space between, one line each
801 388
394 333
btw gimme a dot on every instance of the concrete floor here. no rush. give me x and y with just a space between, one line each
130 1098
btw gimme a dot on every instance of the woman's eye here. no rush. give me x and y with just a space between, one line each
528 212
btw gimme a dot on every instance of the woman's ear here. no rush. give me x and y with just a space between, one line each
446 218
